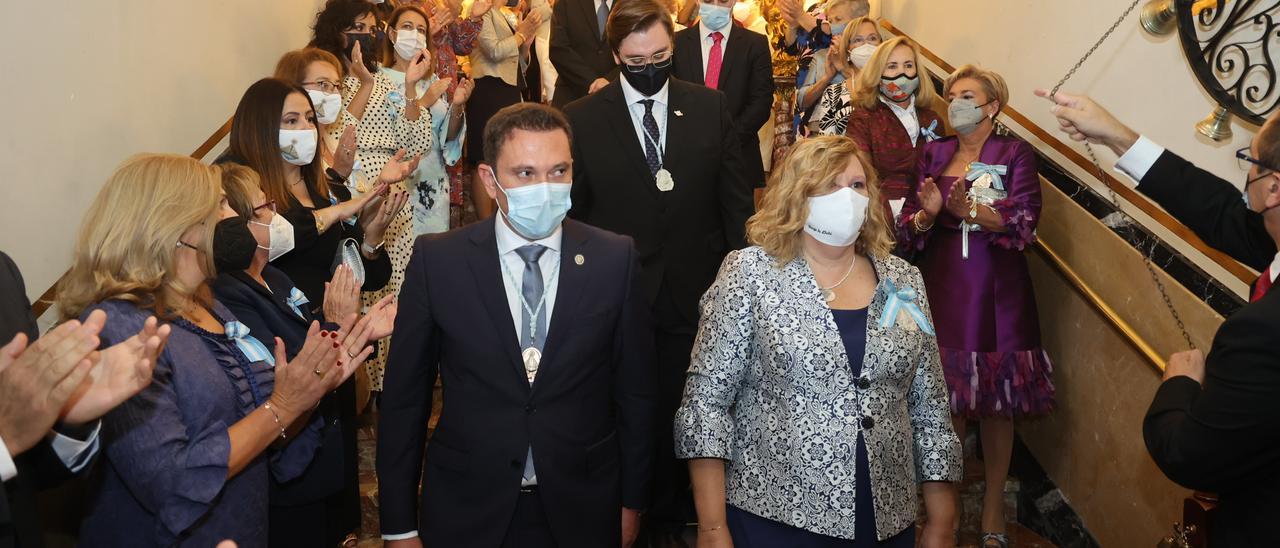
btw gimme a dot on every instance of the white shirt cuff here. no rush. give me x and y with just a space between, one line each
76 454
401 536
7 468
1136 161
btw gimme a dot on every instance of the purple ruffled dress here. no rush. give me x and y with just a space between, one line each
984 307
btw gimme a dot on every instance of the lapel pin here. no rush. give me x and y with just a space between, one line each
579 259
679 114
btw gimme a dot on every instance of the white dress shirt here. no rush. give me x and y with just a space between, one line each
708 41
1137 161
513 282
73 453
636 108
907 116
513 276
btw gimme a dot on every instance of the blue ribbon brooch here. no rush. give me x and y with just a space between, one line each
295 301
903 300
930 133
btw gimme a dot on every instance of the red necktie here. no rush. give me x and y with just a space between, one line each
713 61
1260 288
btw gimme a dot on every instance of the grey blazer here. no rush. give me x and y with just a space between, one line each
770 390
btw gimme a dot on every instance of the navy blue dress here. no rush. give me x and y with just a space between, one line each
163 480
751 531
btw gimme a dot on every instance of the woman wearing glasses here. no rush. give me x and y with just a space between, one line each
269 305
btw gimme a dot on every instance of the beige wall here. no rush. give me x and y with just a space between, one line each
1145 80
89 83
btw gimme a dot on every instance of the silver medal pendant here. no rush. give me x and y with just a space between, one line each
664 180
532 356
828 295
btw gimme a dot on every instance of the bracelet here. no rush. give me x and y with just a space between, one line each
716 528
915 222
283 434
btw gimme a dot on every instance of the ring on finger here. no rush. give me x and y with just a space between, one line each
318 373
350 355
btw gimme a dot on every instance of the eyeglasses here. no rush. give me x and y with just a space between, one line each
270 203
662 59
859 40
185 244
324 86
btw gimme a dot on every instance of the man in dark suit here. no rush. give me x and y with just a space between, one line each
720 54
540 332
44 379
1212 424
579 51
658 159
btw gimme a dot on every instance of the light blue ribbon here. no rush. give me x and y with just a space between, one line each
903 299
295 301
978 169
930 133
252 348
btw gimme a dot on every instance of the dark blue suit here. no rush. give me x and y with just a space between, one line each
589 416
297 506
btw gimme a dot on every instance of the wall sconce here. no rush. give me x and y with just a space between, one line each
1158 17
1216 126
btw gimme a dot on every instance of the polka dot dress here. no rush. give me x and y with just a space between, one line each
379 134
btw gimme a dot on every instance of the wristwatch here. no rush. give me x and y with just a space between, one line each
371 250
334 176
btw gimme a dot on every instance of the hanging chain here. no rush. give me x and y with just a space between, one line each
1115 199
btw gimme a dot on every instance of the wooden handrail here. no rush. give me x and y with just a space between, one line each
1129 334
47 298
1240 271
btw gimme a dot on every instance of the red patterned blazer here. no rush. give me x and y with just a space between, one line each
878 132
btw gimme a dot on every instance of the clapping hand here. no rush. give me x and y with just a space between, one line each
382 317
397 169
441 18
376 226
463 92
344 158
930 198
341 294
357 67
529 26
121 371
436 91
958 200
418 69
301 382
480 7
37 380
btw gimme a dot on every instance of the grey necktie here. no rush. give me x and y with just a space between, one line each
602 16
531 290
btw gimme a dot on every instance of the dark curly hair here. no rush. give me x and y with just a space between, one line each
333 21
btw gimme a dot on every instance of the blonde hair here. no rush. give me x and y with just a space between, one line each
849 32
239 182
778 225
992 84
126 244
867 93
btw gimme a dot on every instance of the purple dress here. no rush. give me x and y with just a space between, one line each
983 306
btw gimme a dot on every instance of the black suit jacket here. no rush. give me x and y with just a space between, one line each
1222 437
1211 207
682 235
589 414
268 315
38 467
746 78
578 51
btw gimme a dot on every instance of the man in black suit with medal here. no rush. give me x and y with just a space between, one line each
579 51
1212 425
539 331
658 159
719 53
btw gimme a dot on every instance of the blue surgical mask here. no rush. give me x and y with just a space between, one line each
713 16
535 211
837 29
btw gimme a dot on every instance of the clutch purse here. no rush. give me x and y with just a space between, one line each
349 254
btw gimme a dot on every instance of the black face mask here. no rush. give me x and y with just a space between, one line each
233 245
367 50
648 81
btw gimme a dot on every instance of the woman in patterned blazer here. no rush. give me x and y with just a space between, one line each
815 401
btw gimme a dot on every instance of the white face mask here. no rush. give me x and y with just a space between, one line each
280 236
861 54
743 10
298 146
836 219
327 105
409 43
